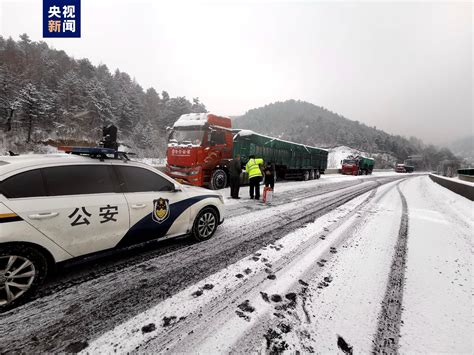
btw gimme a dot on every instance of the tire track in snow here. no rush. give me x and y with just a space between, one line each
219 308
388 329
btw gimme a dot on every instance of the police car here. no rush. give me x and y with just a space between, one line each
60 206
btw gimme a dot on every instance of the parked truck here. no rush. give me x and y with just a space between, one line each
404 168
357 165
201 145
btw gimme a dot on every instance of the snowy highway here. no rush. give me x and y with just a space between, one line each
340 264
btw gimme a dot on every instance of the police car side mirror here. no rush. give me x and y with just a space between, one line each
177 188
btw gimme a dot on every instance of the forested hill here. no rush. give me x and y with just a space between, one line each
309 124
49 97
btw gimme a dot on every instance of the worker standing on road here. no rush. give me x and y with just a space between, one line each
269 178
255 175
235 169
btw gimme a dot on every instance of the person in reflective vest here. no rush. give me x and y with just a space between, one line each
253 168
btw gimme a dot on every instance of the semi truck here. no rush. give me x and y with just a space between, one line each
357 165
404 168
201 146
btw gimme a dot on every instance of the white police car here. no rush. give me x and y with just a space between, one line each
60 206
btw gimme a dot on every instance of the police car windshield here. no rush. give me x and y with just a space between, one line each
193 137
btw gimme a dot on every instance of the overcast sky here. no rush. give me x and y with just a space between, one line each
404 67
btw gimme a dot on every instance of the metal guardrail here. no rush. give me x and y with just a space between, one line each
469 178
460 188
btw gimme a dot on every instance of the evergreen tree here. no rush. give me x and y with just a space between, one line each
98 102
34 105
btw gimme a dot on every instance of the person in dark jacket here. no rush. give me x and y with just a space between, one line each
235 169
269 175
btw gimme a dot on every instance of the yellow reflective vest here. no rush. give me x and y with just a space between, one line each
252 167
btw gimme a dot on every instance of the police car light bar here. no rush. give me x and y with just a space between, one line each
87 150
96 152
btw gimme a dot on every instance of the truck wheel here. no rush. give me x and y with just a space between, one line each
205 224
306 175
311 175
318 174
218 179
22 270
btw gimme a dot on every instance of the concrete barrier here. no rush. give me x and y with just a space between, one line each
338 171
332 171
460 187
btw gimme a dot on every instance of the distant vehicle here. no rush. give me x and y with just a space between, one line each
201 145
403 168
59 206
357 165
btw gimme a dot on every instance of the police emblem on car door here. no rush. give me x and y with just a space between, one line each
161 210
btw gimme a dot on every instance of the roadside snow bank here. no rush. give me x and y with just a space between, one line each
437 302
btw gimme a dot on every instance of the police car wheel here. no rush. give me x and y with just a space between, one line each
205 224
22 270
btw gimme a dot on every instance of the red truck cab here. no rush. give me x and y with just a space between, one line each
350 167
198 144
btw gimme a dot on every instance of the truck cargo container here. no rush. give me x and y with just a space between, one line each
201 145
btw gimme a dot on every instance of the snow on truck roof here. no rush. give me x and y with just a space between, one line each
200 119
191 119
248 132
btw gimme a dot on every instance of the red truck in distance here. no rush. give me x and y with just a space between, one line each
403 168
357 165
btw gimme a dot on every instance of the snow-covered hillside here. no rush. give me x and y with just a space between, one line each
339 153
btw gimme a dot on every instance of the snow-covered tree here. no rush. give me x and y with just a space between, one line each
9 86
198 106
70 91
98 102
34 105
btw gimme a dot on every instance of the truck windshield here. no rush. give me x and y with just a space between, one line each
193 137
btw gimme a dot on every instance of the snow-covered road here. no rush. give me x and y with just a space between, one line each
339 264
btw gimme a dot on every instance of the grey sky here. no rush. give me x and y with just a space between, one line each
404 67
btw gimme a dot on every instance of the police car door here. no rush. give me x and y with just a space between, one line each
155 208
82 210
